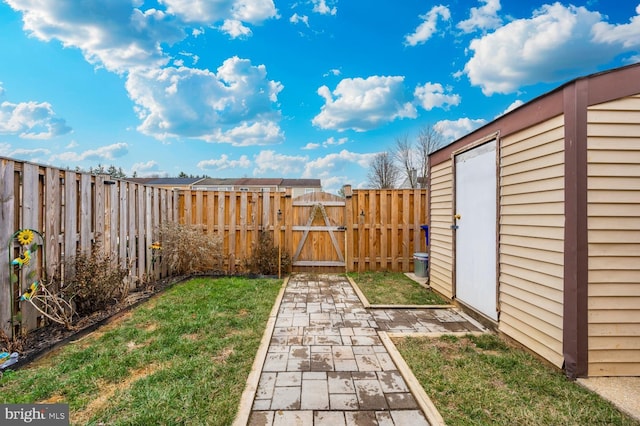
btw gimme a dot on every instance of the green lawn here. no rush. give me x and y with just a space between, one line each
181 358
480 380
394 288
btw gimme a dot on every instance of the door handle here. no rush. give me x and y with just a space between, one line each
457 216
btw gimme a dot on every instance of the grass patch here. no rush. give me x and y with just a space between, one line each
479 380
394 288
181 358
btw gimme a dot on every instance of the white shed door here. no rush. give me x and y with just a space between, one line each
476 233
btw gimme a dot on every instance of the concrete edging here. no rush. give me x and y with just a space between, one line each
426 405
249 393
359 293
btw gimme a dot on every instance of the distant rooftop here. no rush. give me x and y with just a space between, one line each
165 180
263 182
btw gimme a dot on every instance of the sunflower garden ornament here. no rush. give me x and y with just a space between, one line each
25 237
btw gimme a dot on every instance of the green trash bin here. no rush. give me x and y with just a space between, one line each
421 264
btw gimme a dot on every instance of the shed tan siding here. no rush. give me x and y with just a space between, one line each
441 238
613 142
532 237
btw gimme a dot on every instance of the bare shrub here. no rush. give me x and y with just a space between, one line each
188 249
94 283
264 257
52 305
8 344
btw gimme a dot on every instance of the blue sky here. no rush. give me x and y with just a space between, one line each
268 88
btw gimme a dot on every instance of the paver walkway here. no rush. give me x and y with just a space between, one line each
326 364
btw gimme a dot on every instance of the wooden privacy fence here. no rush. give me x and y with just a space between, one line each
74 211
366 230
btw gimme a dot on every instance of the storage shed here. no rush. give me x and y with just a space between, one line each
535 224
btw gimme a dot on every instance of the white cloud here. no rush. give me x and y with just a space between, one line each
363 104
108 152
259 133
235 28
334 71
207 11
31 120
333 168
150 165
331 141
626 35
224 163
321 7
334 142
452 130
24 152
556 43
296 19
432 95
37 155
1 89
111 33
120 36
428 27
482 18
333 184
148 169
515 104
234 105
271 162
311 145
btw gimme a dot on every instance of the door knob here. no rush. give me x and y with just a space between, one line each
457 216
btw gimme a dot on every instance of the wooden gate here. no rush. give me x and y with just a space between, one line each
318 232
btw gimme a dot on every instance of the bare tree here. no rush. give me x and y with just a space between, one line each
383 173
405 155
428 141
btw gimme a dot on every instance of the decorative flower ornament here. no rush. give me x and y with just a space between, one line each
23 259
156 246
30 292
25 237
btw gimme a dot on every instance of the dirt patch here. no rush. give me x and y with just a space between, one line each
151 327
243 313
54 399
108 390
192 337
221 358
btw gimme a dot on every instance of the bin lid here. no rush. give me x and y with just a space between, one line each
421 255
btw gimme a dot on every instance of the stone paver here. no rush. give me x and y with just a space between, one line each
326 364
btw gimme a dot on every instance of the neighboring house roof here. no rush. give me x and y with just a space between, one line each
285 183
216 181
306 183
164 181
262 182
259 181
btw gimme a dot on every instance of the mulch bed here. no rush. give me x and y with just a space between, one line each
43 340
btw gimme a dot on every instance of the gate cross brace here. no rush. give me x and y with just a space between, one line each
308 228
